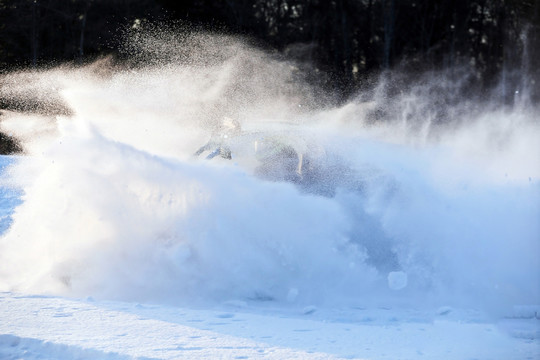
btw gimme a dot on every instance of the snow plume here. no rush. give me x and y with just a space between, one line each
405 196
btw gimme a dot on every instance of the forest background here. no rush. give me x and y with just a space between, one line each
346 44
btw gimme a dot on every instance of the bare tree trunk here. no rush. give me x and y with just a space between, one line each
480 27
345 38
369 56
34 34
81 41
453 41
389 25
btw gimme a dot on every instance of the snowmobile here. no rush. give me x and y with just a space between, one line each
279 156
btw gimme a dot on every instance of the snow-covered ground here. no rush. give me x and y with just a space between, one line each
369 230
39 327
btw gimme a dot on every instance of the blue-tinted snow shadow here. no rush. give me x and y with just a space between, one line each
14 347
10 197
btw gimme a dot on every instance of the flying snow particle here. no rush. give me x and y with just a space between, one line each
397 280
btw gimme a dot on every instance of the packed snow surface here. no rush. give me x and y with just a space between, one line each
37 327
206 202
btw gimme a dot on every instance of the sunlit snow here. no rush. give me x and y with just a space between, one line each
314 231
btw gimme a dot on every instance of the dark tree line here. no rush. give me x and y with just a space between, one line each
350 38
38 32
346 38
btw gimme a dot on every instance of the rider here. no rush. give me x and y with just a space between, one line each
218 143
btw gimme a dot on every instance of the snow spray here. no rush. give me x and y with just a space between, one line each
393 197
